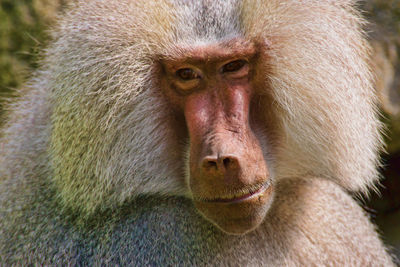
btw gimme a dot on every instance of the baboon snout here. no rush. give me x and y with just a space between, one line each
231 185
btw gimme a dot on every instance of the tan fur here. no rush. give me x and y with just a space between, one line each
94 134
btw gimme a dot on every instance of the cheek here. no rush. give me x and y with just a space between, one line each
266 126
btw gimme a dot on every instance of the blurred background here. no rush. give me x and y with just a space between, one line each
24 33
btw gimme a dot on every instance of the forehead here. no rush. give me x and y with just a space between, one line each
213 52
206 21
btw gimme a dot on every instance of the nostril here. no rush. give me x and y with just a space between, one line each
219 164
209 164
226 162
230 162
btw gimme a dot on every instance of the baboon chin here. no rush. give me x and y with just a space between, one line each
194 133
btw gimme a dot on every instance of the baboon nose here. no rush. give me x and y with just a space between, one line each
221 164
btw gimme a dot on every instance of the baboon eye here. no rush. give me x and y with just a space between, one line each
234 66
187 74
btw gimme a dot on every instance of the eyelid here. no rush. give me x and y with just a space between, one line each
243 71
239 60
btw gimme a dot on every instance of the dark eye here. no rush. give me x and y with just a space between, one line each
186 74
234 66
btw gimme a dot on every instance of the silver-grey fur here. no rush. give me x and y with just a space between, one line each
93 172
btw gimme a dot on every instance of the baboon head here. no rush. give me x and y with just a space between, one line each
213 100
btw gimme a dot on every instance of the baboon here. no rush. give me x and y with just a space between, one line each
177 133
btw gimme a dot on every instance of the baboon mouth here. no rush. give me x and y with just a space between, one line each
240 196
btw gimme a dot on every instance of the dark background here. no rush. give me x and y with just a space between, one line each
23 33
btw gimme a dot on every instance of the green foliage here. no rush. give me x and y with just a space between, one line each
23 33
384 12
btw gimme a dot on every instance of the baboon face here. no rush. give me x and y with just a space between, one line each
213 87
